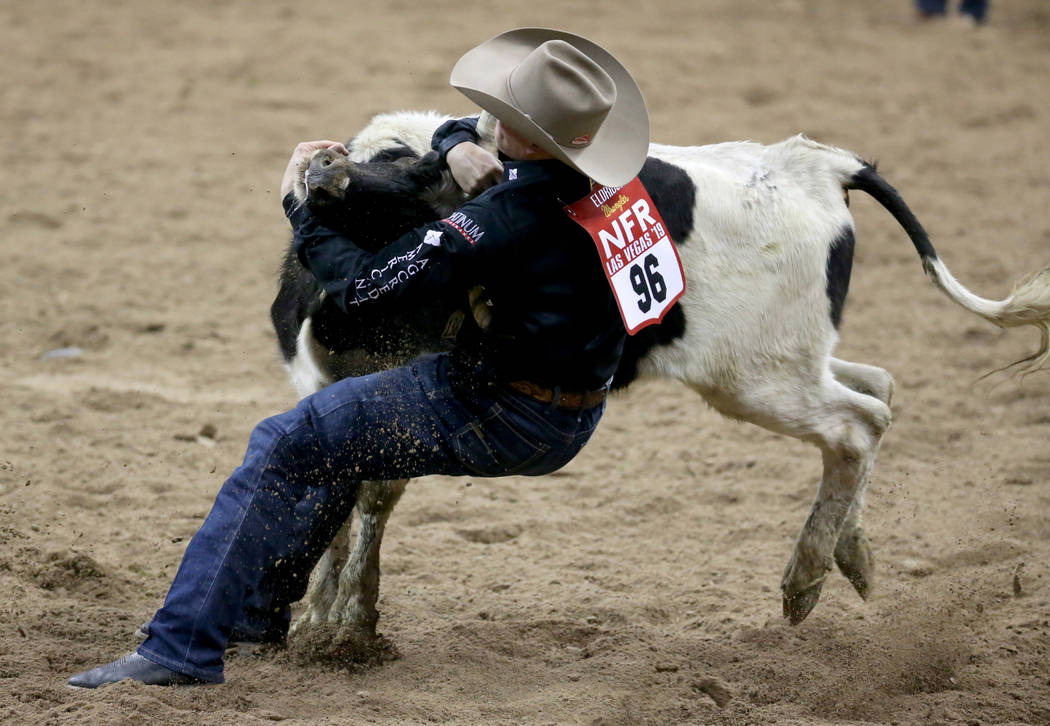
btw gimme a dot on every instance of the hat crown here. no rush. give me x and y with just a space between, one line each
563 91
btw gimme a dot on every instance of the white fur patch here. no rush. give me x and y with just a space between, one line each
306 376
386 131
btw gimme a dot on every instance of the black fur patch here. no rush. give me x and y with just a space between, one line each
638 346
298 292
839 267
674 194
400 151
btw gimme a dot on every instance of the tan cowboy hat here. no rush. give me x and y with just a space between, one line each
563 93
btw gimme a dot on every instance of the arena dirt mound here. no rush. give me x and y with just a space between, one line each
856 670
340 647
63 569
70 572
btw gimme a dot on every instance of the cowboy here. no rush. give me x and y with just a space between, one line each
521 397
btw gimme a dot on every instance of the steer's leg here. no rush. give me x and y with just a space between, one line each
846 426
853 551
355 602
339 624
848 429
344 587
324 582
863 378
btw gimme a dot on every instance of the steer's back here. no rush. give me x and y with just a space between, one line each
765 220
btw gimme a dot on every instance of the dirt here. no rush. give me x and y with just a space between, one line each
141 230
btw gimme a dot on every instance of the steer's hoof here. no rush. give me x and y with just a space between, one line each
802 582
304 623
798 605
342 646
855 560
801 586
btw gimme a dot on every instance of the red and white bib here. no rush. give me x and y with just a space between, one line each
640 260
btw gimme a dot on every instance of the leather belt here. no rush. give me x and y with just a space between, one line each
572 400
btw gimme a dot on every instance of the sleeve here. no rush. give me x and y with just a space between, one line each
424 263
454 132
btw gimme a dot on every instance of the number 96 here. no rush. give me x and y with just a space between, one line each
648 283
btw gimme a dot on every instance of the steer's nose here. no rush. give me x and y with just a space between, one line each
327 174
324 158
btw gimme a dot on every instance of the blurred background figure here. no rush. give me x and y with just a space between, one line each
971 10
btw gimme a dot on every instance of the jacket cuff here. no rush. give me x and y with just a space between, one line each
298 214
454 132
453 140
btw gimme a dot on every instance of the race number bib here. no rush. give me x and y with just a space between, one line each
639 258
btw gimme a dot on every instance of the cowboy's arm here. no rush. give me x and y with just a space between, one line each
473 168
417 266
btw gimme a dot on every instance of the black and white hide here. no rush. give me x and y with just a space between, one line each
766 241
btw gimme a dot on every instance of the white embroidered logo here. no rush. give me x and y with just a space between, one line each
466 226
433 238
512 174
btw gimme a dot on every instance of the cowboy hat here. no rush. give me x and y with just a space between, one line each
565 94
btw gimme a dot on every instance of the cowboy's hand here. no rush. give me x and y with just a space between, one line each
473 168
301 158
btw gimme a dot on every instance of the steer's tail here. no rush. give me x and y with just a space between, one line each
1028 304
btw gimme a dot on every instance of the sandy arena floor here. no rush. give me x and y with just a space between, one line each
142 146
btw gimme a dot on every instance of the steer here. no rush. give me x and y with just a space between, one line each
766 242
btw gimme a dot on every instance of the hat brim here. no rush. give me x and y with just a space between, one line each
618 149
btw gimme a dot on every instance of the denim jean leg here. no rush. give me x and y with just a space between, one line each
238 542
397 424
386 426
266 616
267 609
563 432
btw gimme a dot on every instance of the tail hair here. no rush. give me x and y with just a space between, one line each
1028 303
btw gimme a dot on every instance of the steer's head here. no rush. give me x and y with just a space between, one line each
373 202
324 178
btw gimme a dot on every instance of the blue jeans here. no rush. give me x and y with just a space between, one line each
429 417
975 8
